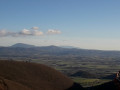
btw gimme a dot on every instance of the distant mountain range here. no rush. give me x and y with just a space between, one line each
68 47
31 46
23 45
21 49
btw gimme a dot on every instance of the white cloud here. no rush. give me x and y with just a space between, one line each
31 32
52 31
35 28
28 32
25 32
37 33
4 33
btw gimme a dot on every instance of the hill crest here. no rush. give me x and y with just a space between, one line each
33 76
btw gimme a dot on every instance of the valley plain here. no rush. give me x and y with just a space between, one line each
87 67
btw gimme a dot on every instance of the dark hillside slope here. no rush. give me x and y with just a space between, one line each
32 76
112 76
11 85
83 74
106 86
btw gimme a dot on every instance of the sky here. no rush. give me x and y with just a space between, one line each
88 24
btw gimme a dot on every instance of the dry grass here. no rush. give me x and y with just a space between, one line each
32 76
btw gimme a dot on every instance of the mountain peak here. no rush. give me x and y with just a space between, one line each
22 45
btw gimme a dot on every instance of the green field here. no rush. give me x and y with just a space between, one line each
89 82
97 67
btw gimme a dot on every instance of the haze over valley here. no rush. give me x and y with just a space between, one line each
59 44
72 62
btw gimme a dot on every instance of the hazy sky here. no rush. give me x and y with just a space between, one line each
91 24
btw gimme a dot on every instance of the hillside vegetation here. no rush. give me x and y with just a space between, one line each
17 75
31 76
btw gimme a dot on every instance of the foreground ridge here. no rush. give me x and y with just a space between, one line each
16 75
31 76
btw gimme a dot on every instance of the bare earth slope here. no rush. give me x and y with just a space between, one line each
30 76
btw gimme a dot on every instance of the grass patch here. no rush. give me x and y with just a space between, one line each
85 82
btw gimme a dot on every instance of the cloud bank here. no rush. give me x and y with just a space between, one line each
5 33
34 31
52 31
35 28
31 32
